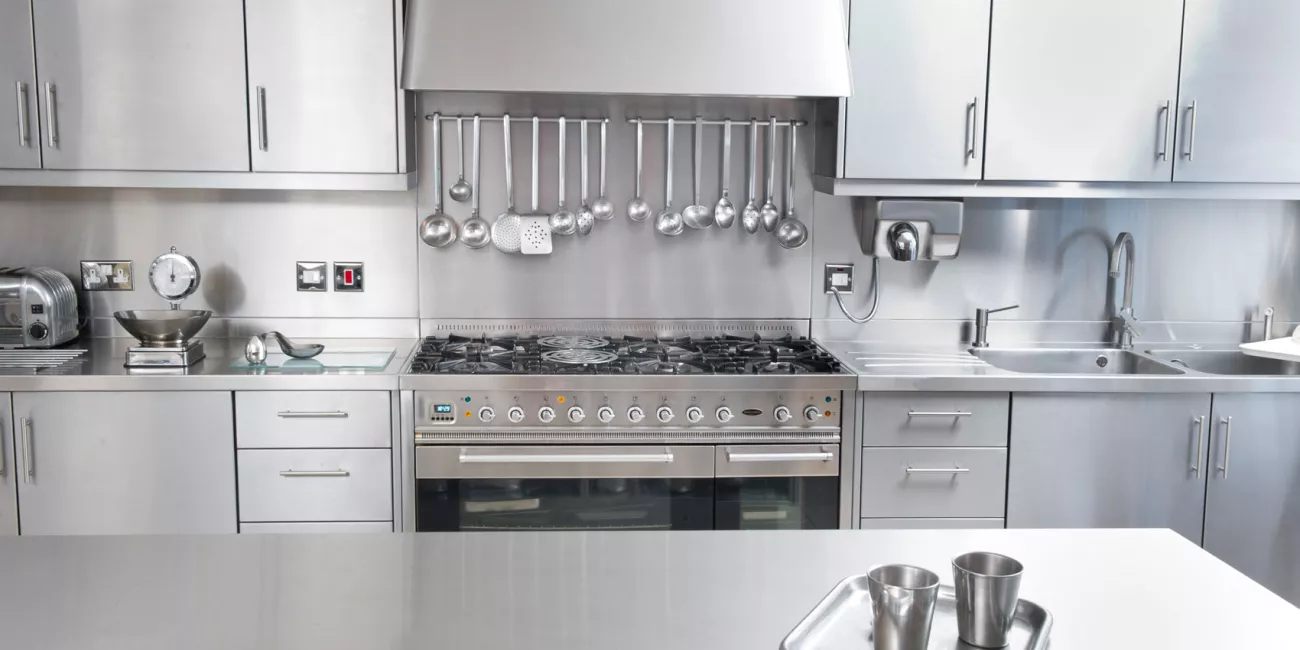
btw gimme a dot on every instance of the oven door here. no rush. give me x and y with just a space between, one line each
778 487
564 488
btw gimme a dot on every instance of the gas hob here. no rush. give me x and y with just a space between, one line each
627 355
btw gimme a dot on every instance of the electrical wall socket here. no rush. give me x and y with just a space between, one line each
839 277
107 275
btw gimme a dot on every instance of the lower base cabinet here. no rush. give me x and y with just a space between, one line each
8 470
1108 461
131 463
1252 509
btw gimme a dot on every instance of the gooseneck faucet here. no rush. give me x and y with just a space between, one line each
1123 325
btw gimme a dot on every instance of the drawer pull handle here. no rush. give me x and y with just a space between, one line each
938 414
324 473
938 470
312 414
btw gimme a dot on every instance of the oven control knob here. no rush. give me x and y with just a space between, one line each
664 414
635 414
486 414
782 414
605 414
694 414
546 414
576 414
724 414
515 414
811 414
38 331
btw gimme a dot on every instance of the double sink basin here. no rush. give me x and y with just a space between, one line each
1125 362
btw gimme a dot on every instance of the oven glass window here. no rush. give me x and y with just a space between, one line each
564 504
778 503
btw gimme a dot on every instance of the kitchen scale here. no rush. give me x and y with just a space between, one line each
166 336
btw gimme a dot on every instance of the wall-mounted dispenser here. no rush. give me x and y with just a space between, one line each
910 230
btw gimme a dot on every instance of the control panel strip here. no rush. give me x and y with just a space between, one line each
428 436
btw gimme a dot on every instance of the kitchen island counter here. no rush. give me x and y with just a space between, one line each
101 369
1114 589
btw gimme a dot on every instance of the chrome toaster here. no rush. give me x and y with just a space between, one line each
38 308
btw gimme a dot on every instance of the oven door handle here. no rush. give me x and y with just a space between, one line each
666 457
779 457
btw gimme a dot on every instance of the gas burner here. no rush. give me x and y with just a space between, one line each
665 368
464 367
579 356
780 368
573 342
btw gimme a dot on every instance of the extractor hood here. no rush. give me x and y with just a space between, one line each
751 48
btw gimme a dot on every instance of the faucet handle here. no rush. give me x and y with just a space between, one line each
994 311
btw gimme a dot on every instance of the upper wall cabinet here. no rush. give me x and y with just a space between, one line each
919 74
1240 92
19 148
142 84
1084 91
322 86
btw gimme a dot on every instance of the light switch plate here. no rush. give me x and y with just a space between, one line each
839 277
107 275
312 276
348 276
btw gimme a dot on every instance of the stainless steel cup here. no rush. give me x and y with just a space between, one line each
902 606
988 589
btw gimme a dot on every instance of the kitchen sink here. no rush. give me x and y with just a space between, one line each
1226 362
1074 362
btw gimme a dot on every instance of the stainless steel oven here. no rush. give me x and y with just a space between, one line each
631 487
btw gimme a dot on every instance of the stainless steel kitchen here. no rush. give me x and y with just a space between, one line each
789 324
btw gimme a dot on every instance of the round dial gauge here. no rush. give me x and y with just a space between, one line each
174 276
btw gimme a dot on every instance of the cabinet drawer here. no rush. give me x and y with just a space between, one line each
315 485
317 527
930 524
312 419
935 420
917 482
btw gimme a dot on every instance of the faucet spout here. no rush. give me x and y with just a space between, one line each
1124 324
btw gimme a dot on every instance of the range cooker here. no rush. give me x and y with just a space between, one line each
628 433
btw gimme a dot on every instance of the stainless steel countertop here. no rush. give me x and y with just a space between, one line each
885 367
101 369
1115 589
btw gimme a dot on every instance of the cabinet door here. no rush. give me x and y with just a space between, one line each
322 86
1108 461
126 463
19 146
920 68
1082 91
8 470
1252 512
142 84
1240 65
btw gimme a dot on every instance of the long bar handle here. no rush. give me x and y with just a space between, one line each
938 414
972 120
1167 110
29 467
261 119
1191 131
938 470
1227 443
567 458
24 132
324 473
2 448
52 123
312 414
779 457
1200 439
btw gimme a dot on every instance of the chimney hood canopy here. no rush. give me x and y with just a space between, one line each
750 48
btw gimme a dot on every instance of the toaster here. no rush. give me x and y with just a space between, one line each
38 308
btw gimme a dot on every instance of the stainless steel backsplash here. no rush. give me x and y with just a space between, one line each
1213 263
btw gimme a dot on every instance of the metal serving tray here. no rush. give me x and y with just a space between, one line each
842 621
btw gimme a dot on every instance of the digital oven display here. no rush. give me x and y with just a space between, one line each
442 409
